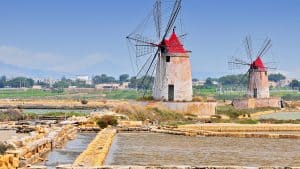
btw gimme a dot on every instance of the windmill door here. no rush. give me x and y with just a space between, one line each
255 93
171 93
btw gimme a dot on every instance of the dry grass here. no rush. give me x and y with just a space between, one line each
140 113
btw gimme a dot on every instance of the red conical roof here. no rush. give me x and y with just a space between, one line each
258 64
173 44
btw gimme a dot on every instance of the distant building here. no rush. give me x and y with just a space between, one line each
215 82
72 87
273 84
198 83
121 86
108 86
285 82
84 78
37 87
124 85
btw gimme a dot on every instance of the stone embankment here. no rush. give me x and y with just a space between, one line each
229 127
31 149
95 153
225 130
175 167
243 130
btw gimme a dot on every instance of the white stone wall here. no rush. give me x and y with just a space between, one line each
177 72
259 80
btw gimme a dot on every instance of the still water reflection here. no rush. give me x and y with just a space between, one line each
161 149
69 152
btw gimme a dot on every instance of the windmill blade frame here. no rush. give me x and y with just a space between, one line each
248 47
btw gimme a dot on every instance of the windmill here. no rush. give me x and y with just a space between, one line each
257 73
165 57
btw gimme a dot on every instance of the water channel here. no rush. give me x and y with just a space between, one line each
281 116
69 152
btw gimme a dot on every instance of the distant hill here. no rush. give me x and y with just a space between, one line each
13 71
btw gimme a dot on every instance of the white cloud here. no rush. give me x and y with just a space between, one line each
47 61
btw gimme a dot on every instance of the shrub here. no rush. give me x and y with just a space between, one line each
84 101
102 124
247 121
198 99
145 98
111 120
11 115
4 148
104 121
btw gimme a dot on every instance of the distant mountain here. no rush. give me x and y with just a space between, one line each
13 71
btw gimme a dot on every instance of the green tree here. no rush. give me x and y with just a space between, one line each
145 82
295 84
123 78
276 77
233 80
43 84
61 84
195 79
20 82
2 81
103 79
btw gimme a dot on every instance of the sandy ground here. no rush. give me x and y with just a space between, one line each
10 134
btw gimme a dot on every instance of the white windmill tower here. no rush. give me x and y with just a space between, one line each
165 57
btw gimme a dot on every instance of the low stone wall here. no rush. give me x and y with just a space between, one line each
189 132
249 135
31 149
251 103
9 161
229 127
96 152
200 109
175 167
196 108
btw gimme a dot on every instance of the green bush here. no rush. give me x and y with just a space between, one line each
104 121
231 112
145 98
247 121
4 148
11 115
84 101
102 124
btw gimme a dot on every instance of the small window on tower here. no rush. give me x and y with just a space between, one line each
168 58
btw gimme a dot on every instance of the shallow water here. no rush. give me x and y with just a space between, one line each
281 116
161 149
69 152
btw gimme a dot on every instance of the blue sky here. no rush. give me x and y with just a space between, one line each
88 37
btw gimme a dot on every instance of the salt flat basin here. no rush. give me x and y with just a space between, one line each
162 149
281 116
11 134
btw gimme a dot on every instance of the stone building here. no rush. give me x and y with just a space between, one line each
173 80
258 84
